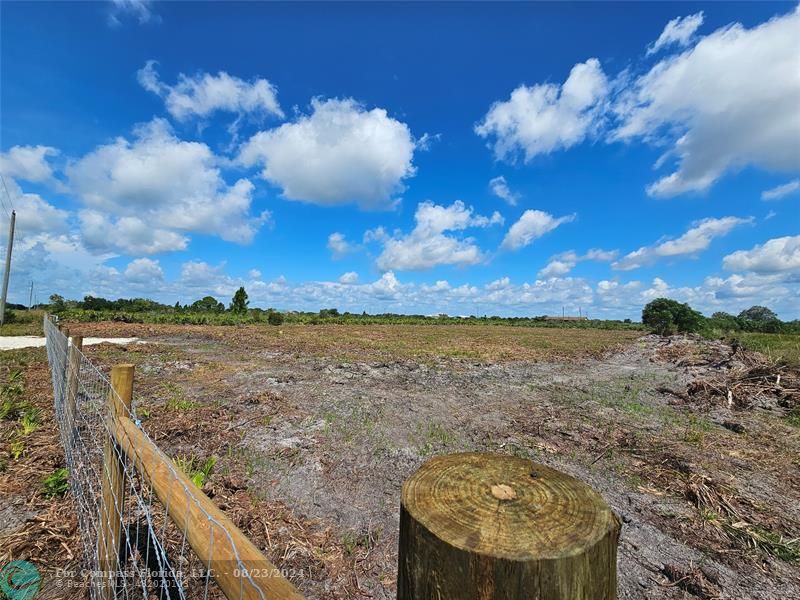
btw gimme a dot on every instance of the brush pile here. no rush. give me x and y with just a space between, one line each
732 376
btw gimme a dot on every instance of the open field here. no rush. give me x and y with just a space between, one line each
316 427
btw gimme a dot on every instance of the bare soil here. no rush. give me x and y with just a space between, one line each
316 428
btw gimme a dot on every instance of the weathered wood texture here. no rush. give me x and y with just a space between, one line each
113 501
212 535
490 526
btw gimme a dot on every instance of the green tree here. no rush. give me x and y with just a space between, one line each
57 303
239 301
208 304
758 314
665 317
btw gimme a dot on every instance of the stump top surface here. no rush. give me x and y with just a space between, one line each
506 506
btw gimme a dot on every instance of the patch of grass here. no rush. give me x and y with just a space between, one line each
770 542
31 420
779 346
195 468
696 429
176 398
17 449
56 484
434 437
793 418
12 404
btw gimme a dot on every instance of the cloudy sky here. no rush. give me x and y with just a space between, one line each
505 159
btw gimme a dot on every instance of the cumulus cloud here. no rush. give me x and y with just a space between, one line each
532 225
751 118
781 190
144 270
141 10
499 187
338 245
349 278
695 240
779 255
35 215
428 245
678 31
341 153
203 94
563 263
546 117
29 163
254 274
160 182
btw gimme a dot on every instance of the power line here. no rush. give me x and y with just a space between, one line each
8 212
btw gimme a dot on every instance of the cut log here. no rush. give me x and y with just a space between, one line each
490 526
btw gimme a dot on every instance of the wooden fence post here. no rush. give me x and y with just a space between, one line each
486 526
73 378
113 480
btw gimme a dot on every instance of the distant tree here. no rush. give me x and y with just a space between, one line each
274 317
239 301
329 312
177 306
665 317
208 304
758 314
57 303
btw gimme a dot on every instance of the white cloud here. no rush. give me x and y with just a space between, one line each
695 240
126 235
338 245
34 214
163 183
349 278
546 117
532 225
563 263
499 187
679 31
428 245
144 270
203 94
139 9
254 274
779 255
339 154
728 102
30 164
781 190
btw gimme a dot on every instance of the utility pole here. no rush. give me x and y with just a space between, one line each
30 297
8 267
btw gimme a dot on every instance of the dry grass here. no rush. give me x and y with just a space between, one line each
391 342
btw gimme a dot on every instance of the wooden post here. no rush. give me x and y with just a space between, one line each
73 378
490 526
113 504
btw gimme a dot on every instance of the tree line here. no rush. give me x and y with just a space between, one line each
666 317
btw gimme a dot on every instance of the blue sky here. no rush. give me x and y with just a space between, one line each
491 158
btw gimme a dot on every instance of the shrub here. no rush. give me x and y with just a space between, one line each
665 317
275 318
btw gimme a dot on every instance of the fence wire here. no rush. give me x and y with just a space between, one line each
149 552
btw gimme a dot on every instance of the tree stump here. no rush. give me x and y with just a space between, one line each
493 526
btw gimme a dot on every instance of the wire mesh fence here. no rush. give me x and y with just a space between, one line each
147 531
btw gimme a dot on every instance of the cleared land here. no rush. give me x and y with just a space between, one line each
316 427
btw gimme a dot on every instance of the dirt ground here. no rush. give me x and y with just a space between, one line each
316 428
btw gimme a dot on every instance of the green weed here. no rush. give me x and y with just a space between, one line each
197 470
56 484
